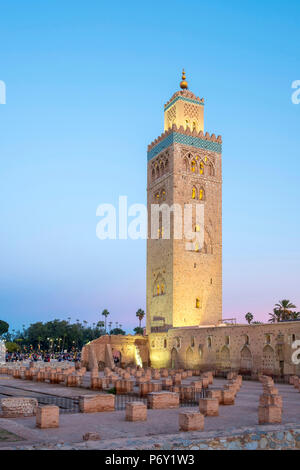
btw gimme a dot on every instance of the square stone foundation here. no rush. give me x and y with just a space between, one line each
136 411
97 403
209 406
47 416
191 421
270 414
163 400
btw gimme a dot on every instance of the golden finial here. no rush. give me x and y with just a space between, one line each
183 84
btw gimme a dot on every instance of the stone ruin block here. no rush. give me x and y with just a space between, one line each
269 414
136 411
215 393
191 421
144 389
167 383
267 399
296 382
97 403
156 375
270 390
205 382
164 373
231 375
91 436
209 406
209 376
163 400
105 382
177 379
197 385
175 389
156 387
18 407
187 392
96 383
47 416
140 380
292 379
228 397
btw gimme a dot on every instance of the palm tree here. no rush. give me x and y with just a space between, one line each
140 314
295 315
105 313
249 317
275 316
284 307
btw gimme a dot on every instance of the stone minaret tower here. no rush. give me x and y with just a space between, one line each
184 285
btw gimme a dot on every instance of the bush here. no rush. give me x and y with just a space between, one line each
12 347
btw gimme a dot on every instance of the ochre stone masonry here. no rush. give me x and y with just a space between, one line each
184 285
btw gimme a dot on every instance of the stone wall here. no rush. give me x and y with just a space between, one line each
250 349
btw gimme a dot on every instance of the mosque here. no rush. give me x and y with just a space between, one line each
185 328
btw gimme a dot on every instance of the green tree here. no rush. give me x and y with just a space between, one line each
249 317
105 313
12 347
138 330
283 311
275 316
3 327
140 314
285 308
117 331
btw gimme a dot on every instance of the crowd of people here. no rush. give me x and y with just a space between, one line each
73 356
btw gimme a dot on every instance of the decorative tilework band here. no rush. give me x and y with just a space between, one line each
183 99
176 137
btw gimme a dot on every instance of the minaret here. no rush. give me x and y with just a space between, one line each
184 285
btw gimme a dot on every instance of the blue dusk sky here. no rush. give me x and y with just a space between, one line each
86 84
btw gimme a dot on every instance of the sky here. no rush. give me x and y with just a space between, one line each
85 87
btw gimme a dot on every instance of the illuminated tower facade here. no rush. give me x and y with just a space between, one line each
184 282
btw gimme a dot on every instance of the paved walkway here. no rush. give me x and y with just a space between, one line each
112 426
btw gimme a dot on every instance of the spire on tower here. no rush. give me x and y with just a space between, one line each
183 83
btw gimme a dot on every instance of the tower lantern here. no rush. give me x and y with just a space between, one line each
184 109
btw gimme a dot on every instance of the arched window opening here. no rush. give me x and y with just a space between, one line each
193 193
211 170
201 168
197 303
193 166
